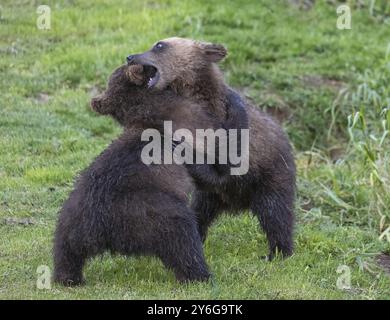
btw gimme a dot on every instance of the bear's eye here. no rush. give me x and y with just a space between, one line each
159 46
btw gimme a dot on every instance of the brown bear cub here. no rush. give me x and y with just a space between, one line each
189 69
121 205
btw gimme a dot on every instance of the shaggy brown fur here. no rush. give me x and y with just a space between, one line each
189 68
123 206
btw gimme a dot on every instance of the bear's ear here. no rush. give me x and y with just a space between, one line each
135 73
213 52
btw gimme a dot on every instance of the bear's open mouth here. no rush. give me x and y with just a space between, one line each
152 75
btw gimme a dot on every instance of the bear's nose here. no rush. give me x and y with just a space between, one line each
130 58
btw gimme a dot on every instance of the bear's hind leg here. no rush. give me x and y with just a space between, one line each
180 249
68 264
275 213
72 246
207 207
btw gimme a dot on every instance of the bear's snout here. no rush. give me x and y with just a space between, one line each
96 105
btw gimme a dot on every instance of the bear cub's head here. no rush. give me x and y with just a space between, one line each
177 60
125 92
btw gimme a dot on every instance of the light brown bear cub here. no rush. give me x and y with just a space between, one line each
189 69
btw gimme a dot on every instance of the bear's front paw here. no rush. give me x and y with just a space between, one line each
135 73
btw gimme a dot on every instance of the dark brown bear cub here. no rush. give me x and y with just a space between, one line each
121 205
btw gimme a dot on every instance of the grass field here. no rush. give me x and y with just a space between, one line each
330 88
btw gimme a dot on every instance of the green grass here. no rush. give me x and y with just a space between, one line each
290 62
